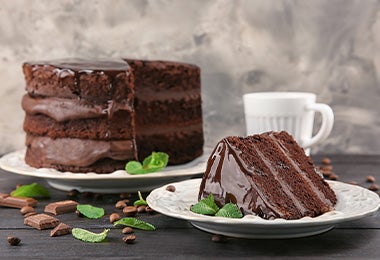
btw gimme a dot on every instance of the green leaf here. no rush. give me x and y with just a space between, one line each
153 163
88 236
229 210
90 211
33 190
206 206
141 201
157 160
134 223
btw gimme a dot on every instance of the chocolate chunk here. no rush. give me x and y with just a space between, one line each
16 202
26 209
170 188
61 207
60 230
13 241
41 221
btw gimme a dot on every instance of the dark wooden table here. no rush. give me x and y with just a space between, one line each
177 239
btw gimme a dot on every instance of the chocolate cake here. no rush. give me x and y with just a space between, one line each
168 109
86 116
267 175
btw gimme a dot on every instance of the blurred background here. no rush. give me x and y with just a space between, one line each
331 48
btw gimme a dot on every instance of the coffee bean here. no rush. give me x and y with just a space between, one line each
333 177
130 239
127 230
170 188
73 193
370 178
26 209
149 210
141 209
327 168
114 217
14 241
326 161
130 211
218 238
120 204
373 187
79 214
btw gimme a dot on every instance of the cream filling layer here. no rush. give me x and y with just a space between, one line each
61 109
78 152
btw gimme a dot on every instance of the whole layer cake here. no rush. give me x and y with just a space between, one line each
81 116
267 175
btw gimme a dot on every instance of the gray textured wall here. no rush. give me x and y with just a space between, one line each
330 47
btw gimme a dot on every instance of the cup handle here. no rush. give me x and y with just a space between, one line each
326 126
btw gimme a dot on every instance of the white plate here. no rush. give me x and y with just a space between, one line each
116 182
354 202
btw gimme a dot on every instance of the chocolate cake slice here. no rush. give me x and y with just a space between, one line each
267 175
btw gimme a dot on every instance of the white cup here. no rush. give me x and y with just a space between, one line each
289 111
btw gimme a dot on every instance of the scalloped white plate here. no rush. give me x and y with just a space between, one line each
354 202
115 182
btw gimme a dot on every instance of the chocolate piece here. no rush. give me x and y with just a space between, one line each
267 175
61 207
60 230
26 209
41 221
13 241
16 202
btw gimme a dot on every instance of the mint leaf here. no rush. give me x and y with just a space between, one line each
153 163
141 201
90 211
88 236
206 206
156 161
229 210
33 190
134 223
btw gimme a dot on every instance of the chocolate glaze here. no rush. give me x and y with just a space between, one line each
71 66
225 168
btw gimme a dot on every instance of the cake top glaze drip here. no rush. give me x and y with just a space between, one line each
70 66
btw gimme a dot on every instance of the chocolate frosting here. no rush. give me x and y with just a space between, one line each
80 152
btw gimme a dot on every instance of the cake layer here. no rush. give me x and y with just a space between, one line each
164 75
119 127
174 111
268 175
44 151
182 144
93 81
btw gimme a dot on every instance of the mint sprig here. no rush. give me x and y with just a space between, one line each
207 206
135 223
33 190
140 201
90 211
88 236
153 163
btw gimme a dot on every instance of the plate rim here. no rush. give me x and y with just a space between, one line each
255 221
196 166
